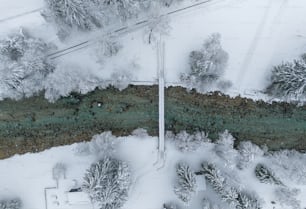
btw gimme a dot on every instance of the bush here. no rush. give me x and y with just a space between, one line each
265 175
11 204
107 183
24 65
186 182
188 142
224 148
288 80
248 152
206 65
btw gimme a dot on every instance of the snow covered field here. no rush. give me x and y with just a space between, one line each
257 34
28 175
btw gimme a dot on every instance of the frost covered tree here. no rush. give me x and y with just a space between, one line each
107 183
89 14
247 153
23 64
207 64
228 193
288 80
265 175
10 204
186 185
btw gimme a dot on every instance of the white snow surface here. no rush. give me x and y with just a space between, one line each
257 34
26 176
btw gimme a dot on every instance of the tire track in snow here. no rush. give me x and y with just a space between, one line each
20 15
250 53
273 30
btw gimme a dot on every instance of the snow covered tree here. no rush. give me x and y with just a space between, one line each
287 197
248 152
89 14
188 142
265 175
186 185
107 183
288 79
24 65
11 204
58 172
229 194
224 148
207 64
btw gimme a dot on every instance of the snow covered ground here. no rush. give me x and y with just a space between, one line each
257 34
27 176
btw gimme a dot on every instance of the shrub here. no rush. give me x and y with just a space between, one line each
11 204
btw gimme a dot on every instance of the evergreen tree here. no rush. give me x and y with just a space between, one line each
265 175
288 79
229 194
107 183
186 182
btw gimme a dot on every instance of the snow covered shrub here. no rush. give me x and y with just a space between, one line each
168 3
289 165
248 152
69 78
188 142
186 185
107 183
228 193
288 80
140 132
106 48
10 204
206 65
103 144
23 65
59 171
171 205
224 148
287 197
121 78
265 175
